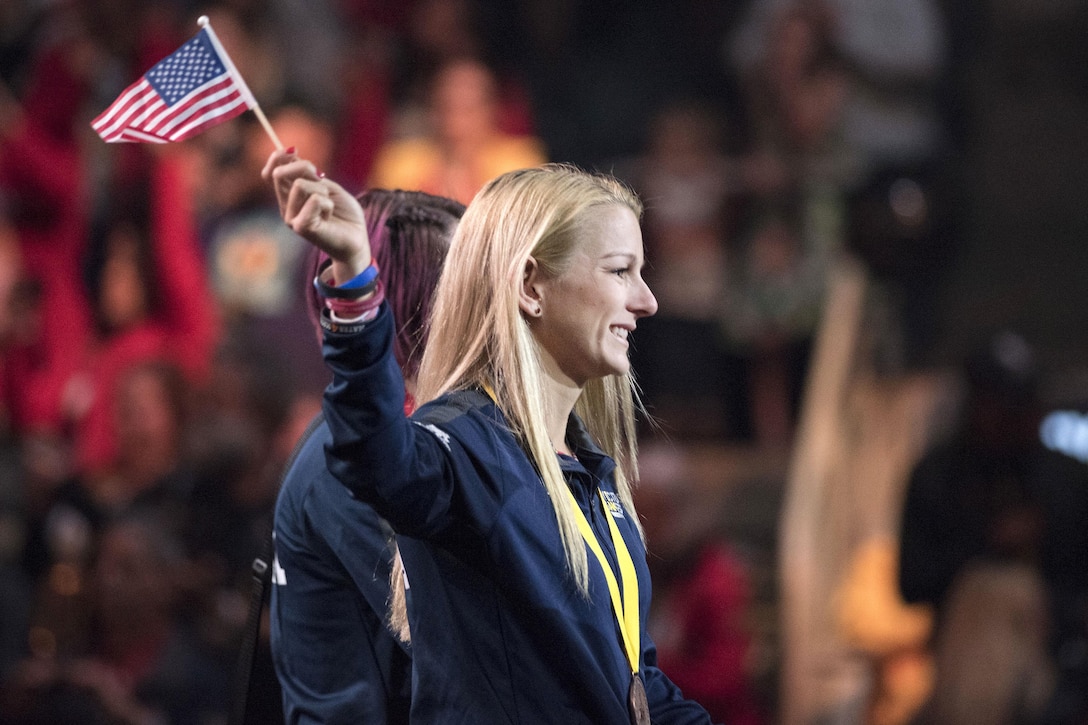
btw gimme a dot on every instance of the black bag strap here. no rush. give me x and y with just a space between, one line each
261 573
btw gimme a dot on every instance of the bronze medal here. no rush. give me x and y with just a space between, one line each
637 706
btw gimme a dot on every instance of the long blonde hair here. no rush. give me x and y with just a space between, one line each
480 338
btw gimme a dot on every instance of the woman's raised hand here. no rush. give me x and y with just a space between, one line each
320 211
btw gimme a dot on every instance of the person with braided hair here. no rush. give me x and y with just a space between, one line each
336 657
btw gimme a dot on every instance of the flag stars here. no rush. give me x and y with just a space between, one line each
192 65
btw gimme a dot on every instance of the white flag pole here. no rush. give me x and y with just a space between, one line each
250 99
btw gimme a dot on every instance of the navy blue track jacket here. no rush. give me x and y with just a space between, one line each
337 662
500 632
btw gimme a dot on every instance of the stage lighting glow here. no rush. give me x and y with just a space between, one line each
1066 431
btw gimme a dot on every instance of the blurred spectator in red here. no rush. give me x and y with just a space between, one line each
13 288
366 71
15 595
702 592
49 160
464 147
148 286
44 202
42 174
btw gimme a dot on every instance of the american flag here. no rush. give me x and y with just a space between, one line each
195 87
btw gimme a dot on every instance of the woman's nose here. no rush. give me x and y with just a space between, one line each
644 303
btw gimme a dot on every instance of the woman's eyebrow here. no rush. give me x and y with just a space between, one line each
626 255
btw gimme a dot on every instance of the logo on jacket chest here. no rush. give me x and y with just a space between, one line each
612 503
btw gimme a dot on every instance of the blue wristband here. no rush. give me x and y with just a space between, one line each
362 279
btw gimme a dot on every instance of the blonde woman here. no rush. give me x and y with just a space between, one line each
510 487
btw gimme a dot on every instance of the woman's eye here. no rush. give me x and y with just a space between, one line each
621 271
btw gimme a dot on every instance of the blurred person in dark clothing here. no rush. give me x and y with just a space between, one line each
246 424
994 521
41 693
137 660
61 522
984 493
691 187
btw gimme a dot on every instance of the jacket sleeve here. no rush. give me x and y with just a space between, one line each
409 473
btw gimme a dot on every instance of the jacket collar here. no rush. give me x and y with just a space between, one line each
590 457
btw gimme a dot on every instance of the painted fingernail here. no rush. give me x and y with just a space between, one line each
321 174
290 149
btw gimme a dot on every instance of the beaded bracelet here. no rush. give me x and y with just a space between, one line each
358 286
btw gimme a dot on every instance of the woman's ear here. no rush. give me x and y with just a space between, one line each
529 298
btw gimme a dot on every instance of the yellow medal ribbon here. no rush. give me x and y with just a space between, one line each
625 608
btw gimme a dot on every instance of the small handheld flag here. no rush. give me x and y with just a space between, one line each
192 89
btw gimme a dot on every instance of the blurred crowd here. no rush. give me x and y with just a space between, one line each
157 362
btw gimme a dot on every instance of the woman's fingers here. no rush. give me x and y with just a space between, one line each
312 218
287 174
274 159
319 210
282 169
297 196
